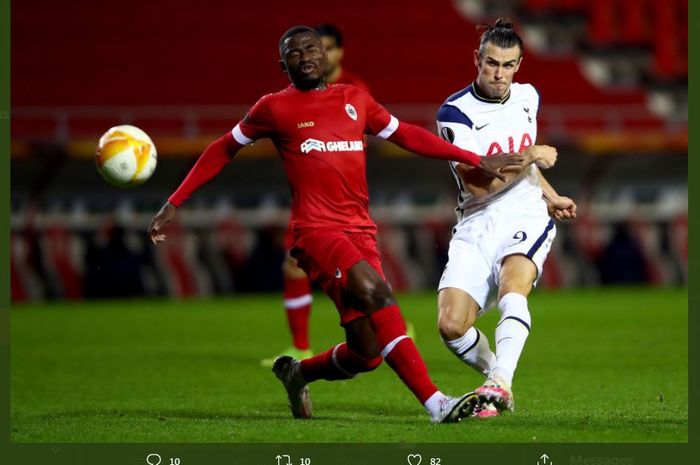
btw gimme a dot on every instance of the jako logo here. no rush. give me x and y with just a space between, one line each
333 146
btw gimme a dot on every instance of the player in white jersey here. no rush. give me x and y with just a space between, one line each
504 230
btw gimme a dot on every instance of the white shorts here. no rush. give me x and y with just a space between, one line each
481 241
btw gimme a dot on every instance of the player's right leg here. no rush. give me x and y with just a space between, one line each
457 313
297 305
464 289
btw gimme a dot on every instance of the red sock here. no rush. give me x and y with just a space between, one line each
401 353
297 303
345 364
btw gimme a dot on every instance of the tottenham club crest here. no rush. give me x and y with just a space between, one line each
350 110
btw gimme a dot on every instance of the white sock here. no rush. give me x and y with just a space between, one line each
432 405
473 349
511 333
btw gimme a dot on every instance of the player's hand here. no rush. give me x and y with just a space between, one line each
164 216
494 164
562 208
544 156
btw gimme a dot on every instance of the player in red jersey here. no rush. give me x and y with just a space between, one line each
318 131
297 286
335 73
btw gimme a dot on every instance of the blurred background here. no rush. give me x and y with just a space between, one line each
612 75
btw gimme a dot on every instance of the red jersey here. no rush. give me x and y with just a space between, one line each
319 135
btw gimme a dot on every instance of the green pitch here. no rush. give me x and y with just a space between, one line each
600 366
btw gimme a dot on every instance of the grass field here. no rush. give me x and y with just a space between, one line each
600 366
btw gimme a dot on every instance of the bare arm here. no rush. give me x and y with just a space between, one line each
548 191
560 207
427 144
479 185
217 155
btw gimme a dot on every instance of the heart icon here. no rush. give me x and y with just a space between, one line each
414 459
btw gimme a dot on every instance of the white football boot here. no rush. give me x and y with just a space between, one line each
286 369
454 409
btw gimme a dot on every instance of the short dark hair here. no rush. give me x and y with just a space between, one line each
500 34
327 29
292 31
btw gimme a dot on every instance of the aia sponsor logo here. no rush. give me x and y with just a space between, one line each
331 146
525 142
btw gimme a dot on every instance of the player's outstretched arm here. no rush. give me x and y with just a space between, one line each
480 185
427 144
544 156
217 155
164 216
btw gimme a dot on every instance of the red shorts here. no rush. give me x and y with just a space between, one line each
326 255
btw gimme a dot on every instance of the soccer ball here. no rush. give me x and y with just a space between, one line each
126 156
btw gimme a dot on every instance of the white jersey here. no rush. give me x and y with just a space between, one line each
491 126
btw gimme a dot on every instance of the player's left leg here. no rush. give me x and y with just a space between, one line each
518 274
525 235
516 278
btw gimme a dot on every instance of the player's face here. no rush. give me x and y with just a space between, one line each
334 53
496 67
304 60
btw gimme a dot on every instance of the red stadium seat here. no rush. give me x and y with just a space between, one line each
670 29
196 67
602 26
635 22
537 6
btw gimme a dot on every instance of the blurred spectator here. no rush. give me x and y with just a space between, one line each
112 268
261 268
622 260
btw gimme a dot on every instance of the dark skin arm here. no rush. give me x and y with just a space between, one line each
479 183
496 168
164 216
